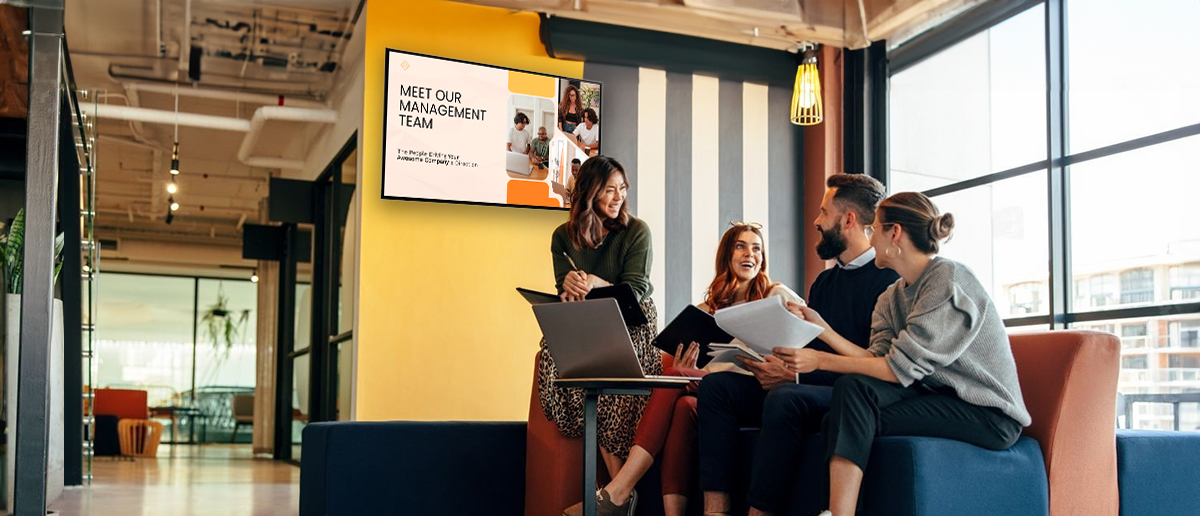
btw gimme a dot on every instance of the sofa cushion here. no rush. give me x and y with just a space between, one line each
927 476
1158 472
920 476
446 468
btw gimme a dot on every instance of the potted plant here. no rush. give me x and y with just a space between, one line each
222 326
587 95
12 255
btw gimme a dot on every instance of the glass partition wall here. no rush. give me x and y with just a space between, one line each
320 364
188 342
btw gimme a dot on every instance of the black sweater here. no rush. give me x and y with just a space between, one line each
846 299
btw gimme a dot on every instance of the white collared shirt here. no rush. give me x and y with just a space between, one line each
862 259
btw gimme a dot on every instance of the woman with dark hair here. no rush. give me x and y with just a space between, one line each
939 364
668 424
609 246
570 109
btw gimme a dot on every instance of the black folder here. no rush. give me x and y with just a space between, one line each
692 325
631 308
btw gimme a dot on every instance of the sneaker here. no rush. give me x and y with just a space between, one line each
825 513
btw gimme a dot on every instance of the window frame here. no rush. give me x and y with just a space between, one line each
1063 290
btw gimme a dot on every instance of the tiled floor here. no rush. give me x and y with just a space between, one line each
204 480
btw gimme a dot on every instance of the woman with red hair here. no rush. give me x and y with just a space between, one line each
668 424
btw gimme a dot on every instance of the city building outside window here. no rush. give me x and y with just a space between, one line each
1137 286
1185 282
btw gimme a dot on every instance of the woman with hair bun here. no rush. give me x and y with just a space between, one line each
939 364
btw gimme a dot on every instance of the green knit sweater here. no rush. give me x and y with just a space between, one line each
623 257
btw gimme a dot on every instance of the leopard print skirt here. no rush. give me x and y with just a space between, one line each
617 416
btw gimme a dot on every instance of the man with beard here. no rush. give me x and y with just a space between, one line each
784 404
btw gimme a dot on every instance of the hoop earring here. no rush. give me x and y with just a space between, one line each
888 252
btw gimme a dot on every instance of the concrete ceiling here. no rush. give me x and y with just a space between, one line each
249 53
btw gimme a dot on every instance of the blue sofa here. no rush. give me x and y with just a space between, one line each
1066 465
1158 473
452 468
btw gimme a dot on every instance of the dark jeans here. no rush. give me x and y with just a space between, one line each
728 402
864 408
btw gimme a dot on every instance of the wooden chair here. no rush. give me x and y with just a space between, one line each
139 437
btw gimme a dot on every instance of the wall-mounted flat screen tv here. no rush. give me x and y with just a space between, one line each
470 133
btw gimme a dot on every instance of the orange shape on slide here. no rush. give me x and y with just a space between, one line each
529 84
531 193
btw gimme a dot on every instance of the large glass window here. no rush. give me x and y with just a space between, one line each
225 351
975 108
1000 232
978 107
188 342
144 335
1109 239
1140 81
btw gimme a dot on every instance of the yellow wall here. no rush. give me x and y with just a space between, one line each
441 333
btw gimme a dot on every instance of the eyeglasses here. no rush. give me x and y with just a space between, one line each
882 227
738 223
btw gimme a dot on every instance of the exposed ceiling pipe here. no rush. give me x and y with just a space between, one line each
138 73
232 96
282 114
252 127
158 116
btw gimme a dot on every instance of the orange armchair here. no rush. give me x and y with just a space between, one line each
1069 381
123 403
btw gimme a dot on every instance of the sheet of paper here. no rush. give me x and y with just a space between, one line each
738 348
766 324
724 360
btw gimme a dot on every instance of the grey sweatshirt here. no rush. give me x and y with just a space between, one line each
944 331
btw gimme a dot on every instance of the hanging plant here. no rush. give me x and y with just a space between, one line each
223 327
12 254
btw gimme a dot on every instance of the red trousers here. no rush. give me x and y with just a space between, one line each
668 426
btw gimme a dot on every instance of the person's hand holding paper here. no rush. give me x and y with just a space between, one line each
799 360
770 372
767 324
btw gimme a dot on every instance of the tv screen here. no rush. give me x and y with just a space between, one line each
478 134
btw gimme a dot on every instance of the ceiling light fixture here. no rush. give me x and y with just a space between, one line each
173 187
807 108
254 277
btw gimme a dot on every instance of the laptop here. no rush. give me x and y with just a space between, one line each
517 163
588 339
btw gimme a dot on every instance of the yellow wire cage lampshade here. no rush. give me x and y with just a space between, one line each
807 108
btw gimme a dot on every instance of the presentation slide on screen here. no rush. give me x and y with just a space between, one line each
464 132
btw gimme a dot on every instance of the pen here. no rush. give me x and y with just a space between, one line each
571 262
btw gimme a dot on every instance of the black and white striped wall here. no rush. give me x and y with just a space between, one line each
700 152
